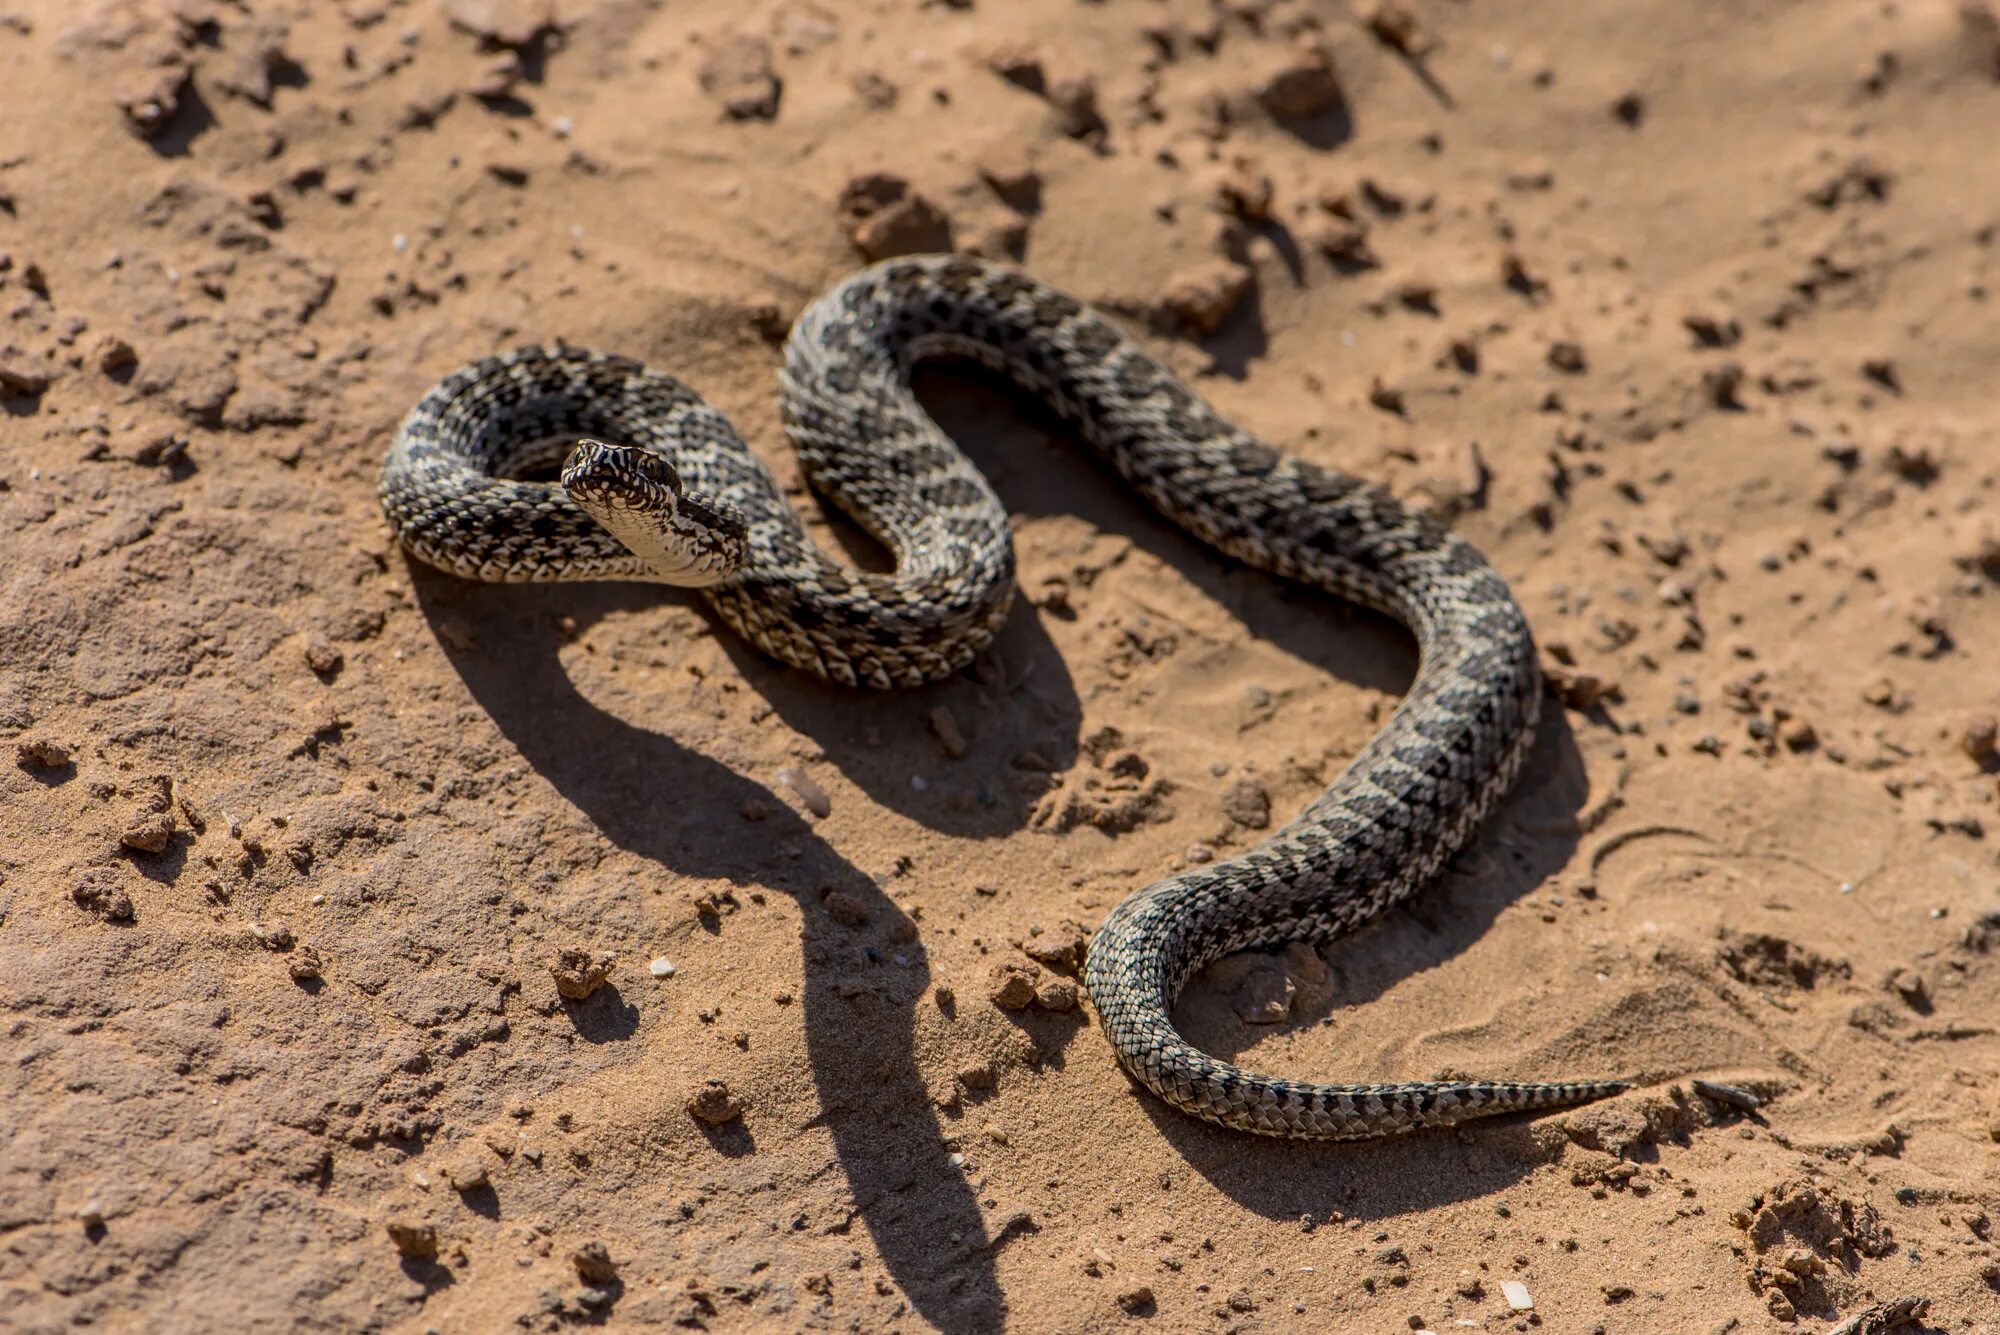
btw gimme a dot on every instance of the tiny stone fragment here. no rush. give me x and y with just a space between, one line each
737 72
466 1173
321 656
41 753
304 964
1056 994
152 821
1013 985
1301 87
1201 298
661 967
714 1104
806 789
1136 1299
1517 1295
1247 803
593 1262
578 973
412 1239
886 218
948 734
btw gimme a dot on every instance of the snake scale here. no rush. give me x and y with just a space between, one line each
655 485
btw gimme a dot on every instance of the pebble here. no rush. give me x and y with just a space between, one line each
578 972
152 824
1248 804
661 967
714 1104
1013 985
1201 298
593 1262
1302 86
806 789
41 753
1136 1299
1981 740
412 1239
304 964
736 72
1517 1295
1567 357
503 23
320 655
1075 103
466 1173
1019 63
948 733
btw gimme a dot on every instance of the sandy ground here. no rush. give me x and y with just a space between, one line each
1683 312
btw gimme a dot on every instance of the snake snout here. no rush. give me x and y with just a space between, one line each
621 477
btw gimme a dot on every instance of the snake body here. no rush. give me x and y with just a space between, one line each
678 498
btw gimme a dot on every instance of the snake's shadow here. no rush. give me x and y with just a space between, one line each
885 1130
1021 697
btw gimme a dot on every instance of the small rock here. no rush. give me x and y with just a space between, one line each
1981 740
1005 167
466 1173
1567 357
886 218
274 936
91 1214
661 967
948 734
1201 298
1301 87
321 656
1059 950
1248 804
844 908
1630 109
42 753
503 23
1075 103
1517 1295
152 822
1137 1300
714 1104
1909 985
113 354
806 789
413 1239
1798 734
578 973
304 964
736 71
593 1262
1395 27
1013 985
1019 63
1056 994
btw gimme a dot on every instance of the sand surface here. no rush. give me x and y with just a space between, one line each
1684 313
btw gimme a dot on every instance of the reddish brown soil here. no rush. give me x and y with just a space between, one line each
1683 312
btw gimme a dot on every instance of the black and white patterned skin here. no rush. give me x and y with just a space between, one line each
1410 800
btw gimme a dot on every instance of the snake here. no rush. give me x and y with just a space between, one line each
655 485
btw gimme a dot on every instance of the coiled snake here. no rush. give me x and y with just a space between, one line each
657 486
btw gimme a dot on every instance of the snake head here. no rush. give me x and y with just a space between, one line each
601 477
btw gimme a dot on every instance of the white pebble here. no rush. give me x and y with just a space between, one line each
1517 1295
917 782
562 125
662 967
